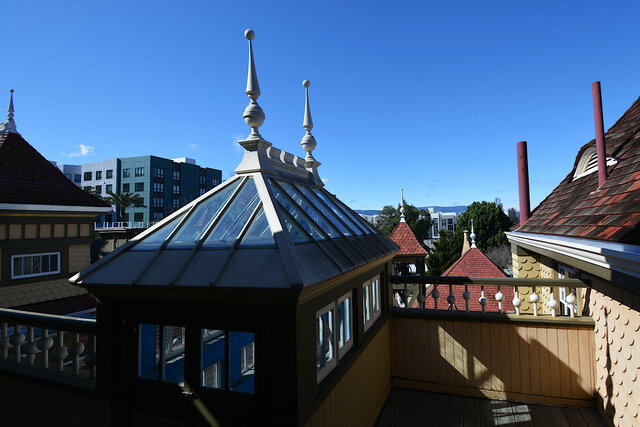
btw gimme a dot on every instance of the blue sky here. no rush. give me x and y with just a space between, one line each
429 96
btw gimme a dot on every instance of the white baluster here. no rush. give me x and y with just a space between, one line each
499 298
483 299
30 348
467 296
451 299
75 350
60 352
16 341
435 294
571 300
553 303
45 343
4 342
516 300
534 299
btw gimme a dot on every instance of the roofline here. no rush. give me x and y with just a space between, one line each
58 208
620 257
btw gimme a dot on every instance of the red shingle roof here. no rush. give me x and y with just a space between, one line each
409 244
474 263
612 212
28 178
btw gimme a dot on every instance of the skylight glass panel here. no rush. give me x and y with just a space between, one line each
201 218
310 210
259 234
354 216
294 230
326 211
294 210
338 212
233 220
155 239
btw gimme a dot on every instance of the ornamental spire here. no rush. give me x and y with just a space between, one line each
253 114
473 236
10 124
402 219
308 141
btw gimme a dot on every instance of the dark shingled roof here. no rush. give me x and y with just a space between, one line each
28 178
577 208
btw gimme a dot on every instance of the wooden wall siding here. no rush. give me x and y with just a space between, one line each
525 265
617 352
31 231
79 257
543 364
359 396
15 231
85 230
3 232
45 231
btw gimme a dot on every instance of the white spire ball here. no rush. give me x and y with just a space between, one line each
306 83
249 34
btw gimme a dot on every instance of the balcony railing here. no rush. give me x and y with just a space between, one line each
59 347
122 225
487 294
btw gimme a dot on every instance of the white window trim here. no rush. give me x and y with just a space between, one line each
374 313
322 372
48 273
347 344
562 291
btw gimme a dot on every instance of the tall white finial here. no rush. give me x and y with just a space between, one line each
402 219
473 236
253 114
10 124
308 141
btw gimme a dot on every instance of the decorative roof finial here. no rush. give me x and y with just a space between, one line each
473 236
308 141
402 219
10 124
253 114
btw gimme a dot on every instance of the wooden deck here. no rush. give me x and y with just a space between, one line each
417 408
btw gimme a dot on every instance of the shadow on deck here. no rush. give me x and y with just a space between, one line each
418 408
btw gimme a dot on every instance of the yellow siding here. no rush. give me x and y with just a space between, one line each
359 396
547 364
72 230
79 257
31 231
58 230
525 265
85 231
45 231
15 231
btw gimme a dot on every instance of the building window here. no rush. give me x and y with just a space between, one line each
77 178
161 352
139 203
157 216
126 173
138 217
87 176
98 189
139 171
139 186
158 172
216 181
176 203
246 357
203 180
32 265
126 187
333 334
176 189
109 173
158 187
176 175
371 301
158 202
98 175
235 373
202 191
109 188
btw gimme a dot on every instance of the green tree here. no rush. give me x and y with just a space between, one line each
489 223
91 190
446 251
418 219
513 216
124 201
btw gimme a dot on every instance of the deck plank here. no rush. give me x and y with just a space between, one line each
574 418
522 414
390 408
539 416
404 416
424 409
439 415
455 416
486 413
502 413
471 412
556 416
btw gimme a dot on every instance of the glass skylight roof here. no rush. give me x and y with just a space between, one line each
326 211
296 213
259 234
338 211
155 239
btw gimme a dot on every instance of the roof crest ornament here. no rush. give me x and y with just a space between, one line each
253 114
402 219
10 124
308 141
473 236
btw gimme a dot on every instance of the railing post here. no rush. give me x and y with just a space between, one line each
76 349
499 298
60 352
435 294
571 300
467 296
534 300
553 302
90 358
31 348
516 300
46 342
451 299
17 338
483 299
4 342
421 295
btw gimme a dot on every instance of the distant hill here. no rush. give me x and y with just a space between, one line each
456 209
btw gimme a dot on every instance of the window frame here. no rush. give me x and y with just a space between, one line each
322 372
87 176
42 254
126 172
348 343
109 174
374 312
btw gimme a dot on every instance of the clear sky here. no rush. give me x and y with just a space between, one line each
429 96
